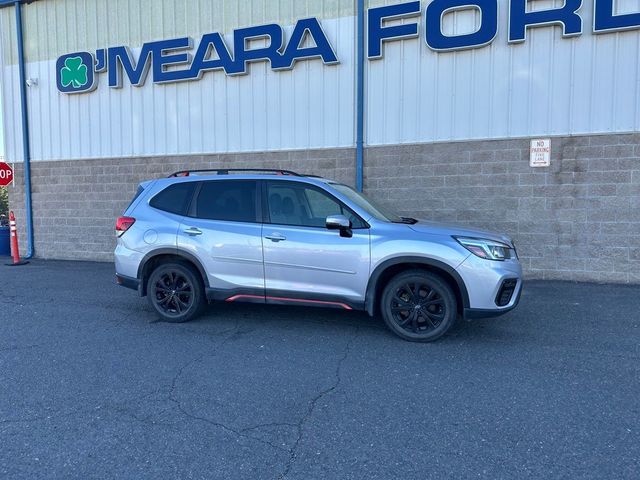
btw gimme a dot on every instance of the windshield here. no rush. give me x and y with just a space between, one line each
376 211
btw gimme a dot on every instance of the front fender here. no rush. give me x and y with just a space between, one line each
433 264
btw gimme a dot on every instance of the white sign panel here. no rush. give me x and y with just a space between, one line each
540 153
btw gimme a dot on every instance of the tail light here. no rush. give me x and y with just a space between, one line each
123 224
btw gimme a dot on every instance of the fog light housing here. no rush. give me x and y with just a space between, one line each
506 292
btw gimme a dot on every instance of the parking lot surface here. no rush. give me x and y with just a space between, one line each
92 386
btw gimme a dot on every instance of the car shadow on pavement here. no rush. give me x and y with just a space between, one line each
254 316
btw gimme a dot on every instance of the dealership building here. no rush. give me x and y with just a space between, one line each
517 116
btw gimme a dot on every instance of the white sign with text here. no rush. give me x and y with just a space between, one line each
540 152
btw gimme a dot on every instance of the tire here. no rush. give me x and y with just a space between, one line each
175 292
424 317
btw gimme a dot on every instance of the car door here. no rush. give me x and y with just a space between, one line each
304 261
223 231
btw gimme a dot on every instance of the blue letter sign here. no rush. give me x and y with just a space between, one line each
309 27
604 19
161 61
211 43
520 19
488 30
120 62
171 60
378 33
244 55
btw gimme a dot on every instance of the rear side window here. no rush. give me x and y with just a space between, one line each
175 198
232 201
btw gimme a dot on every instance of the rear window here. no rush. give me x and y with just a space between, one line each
175 198
135 197
232 201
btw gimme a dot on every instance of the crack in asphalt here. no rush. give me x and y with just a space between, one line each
171 397
267 425
173 388
293 451
229 429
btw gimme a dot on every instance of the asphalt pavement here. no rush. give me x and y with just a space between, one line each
93 386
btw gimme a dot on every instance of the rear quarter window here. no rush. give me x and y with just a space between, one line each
135 197
175 198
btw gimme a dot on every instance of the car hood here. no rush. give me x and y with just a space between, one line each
443 228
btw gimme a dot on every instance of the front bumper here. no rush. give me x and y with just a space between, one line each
494 288
478 313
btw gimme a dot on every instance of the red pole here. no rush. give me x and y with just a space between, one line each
15 250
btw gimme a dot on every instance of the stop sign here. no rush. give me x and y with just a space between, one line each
6 174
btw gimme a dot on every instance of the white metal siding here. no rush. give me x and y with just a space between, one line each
545 86
311 106
10 88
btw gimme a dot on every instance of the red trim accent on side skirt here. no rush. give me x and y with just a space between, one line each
293 300
237 297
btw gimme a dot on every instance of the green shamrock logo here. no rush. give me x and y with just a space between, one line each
74 73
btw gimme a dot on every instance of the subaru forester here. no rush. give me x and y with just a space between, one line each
277 237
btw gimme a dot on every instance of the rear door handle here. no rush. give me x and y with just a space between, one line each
193 231
276 237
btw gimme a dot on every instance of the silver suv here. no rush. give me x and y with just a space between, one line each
273 236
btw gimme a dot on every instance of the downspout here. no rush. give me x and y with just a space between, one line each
360 99
25 131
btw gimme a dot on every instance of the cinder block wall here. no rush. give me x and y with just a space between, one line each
576 220
76 203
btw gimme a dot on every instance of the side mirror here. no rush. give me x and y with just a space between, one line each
340 222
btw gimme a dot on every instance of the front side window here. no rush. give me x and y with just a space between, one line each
231 201
376 211
175 198
294 204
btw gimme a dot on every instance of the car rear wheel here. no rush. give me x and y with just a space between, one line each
175 292
418 306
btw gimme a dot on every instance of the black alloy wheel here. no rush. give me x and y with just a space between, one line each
175 292
418 306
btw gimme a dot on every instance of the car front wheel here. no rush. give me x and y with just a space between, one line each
418 306
175 292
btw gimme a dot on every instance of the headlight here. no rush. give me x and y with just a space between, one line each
488 249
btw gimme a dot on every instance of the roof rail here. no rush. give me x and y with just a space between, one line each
226 171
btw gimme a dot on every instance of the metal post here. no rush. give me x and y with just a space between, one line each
25 131
360 100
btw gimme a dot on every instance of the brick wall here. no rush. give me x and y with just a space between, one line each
577 220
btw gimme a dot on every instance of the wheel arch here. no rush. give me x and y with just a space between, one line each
389 268
154 258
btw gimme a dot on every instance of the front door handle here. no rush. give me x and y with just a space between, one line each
276 237
193 231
